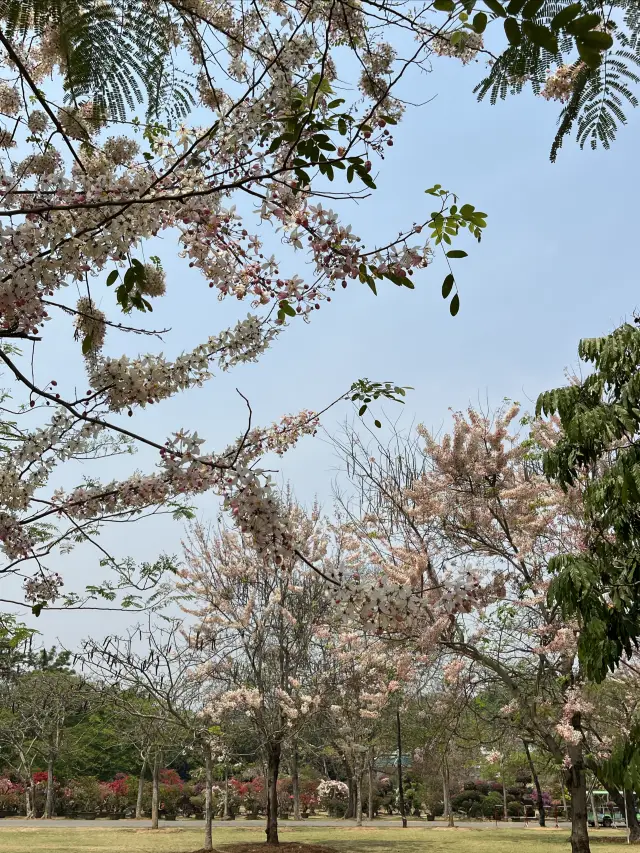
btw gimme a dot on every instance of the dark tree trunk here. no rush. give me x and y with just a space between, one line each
208 816
400 781
446 791
577 784
536 782
372 780
48 808
155 792
140 789
632 817
351 808
295 781
225 810
273 767
359 774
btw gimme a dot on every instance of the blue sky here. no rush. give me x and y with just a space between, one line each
556 264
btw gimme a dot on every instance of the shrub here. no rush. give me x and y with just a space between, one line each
515 808
11 796
83 794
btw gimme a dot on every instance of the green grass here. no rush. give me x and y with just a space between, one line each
39 839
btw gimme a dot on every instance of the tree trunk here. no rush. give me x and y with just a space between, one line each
273 766
576 782
446 791
594 810
155 786
632 817
225 808
48 808
28 800
351 809
295 781
372 781
564 799
536 782
208 816
504 794
140 789
358 797
400 781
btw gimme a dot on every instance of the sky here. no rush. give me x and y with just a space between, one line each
556 264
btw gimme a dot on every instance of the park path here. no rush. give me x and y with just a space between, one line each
66 823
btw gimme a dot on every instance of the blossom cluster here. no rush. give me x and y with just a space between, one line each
559 85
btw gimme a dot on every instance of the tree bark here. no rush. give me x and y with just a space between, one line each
372 780
351 808
140 789
446 791
295 780
273 767
400 780
504 794
225 808
208 816
28 800
577 784
632 817
358 779
48 808
536 782
155 786
592 799
564 799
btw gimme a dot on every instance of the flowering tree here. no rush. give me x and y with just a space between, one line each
478 499
366 678
256 635
79 204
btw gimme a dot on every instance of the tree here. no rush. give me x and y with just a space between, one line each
596 582
157 690
478 495
83 205
255 635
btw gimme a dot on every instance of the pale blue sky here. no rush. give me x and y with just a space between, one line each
556 264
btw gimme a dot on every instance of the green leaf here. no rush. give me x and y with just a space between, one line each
362 410
512 30
454 307
447 286
590 56
112 277
372 285
335 103
583 24
467 211
531 8
288 309
496 8
275 145
378 424
87 344
480 22
597 39
565 16
444 5
456 253
540 36
515 6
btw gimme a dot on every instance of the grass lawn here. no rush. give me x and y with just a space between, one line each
352 840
